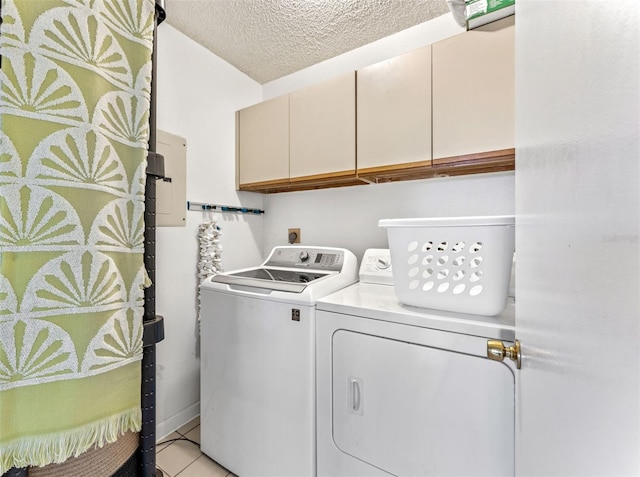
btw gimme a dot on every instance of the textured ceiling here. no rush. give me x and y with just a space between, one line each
268 39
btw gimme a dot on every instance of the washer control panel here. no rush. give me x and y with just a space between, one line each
376 267
306 257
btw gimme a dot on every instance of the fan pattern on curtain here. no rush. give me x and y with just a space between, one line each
75 89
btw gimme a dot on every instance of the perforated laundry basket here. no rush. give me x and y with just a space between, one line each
460 264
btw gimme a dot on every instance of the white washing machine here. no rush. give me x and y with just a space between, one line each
407 391
257 399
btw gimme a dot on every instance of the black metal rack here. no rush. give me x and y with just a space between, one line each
153 324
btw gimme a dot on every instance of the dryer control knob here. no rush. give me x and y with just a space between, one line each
304 256
382 264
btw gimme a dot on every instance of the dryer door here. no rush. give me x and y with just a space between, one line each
413 409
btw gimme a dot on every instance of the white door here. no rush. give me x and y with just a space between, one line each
577 239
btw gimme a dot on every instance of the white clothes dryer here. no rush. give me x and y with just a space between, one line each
407 391
257 400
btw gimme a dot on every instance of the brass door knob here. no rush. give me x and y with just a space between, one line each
497 351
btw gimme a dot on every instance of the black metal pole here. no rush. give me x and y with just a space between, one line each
153 324
16 473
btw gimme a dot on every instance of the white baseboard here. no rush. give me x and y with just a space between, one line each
166 427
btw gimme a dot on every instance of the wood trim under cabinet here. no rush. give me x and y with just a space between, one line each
264 185
338 175
492 161
480 163
396 172
318 181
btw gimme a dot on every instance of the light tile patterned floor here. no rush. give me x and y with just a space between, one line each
183 458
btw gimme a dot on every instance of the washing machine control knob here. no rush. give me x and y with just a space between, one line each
304 256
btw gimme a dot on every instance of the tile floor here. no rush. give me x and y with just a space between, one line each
183 458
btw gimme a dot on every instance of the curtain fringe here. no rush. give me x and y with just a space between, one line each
57 447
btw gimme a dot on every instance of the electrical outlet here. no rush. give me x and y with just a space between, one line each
293 236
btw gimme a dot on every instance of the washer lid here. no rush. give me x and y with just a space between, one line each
290 274
292 281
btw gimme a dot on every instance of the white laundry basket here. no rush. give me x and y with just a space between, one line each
460 264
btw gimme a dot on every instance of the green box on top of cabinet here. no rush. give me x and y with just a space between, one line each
481 12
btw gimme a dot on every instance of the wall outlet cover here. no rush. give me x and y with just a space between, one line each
293 236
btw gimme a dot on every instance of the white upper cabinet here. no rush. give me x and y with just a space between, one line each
444 109
263 142
394 111
323 129
473 91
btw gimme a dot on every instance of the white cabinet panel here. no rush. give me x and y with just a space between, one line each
263 141
394 110
473 91
323 128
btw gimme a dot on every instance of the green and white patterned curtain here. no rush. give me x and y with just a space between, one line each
74 108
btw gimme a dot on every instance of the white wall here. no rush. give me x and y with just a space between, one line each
198 95
348 217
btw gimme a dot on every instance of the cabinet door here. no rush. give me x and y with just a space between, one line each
263 142
473 91
394 111
323 129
